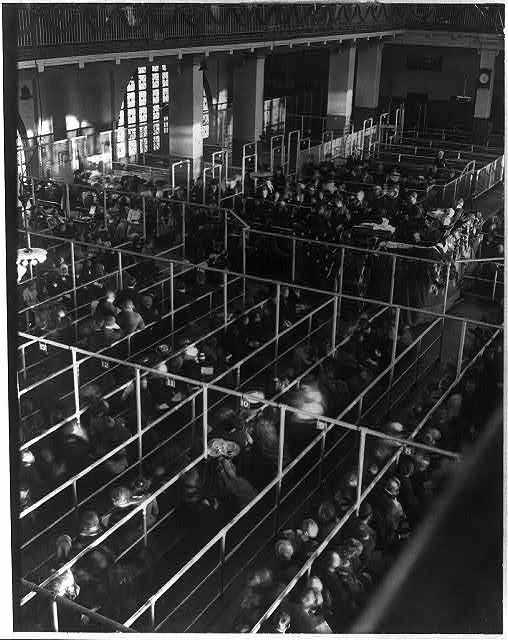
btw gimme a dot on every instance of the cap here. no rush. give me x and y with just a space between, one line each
64 585
74 431
326 512
454 405
284 549
27 458
251 599
353 548
332 559
307 598
392 486
394 428
89 524
121 496
406 466
315 583
281 621
351 479
363 532
310 528
365 510
261 578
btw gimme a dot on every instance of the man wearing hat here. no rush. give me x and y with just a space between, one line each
408 499
327 567
389 514
129 320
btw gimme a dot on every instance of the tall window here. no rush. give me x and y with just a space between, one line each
139 122
205 124
144 115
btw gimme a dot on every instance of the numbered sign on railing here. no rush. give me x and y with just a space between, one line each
170 382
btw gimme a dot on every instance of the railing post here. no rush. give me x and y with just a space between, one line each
53 607
460 355
293 258
361 458
152 614
225 230
446 286
144 218
222 561
75 379
105 203
73 266
120 274
280 463
145 528
334 319
495 284
392 280
138 421
172 295
341 282
23 362
322 455
277 320
394 354
205 421
188 180
67 200
225 291
418 349
184 229
244 262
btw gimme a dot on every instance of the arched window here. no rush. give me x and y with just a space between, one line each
144 114
139 122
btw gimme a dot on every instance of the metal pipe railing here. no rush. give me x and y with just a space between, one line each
66 603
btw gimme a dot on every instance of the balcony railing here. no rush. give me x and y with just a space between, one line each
94 27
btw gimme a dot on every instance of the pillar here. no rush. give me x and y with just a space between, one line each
341 80
483 102
368 74
248 94
186 113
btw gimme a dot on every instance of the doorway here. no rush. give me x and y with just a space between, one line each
416 111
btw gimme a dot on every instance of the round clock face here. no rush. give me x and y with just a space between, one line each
484 78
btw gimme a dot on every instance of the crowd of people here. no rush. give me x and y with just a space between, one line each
320 205
342 579
356 559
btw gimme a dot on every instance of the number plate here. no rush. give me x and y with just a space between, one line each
105 364
244 403
170 382
321 425
43 346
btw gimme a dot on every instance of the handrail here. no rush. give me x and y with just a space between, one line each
302 287
307 565
70 604
104 536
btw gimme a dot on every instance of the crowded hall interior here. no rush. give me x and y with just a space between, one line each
259 320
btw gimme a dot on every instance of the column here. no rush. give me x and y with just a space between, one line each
248 93
341 81
186 113
368 74
484 90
